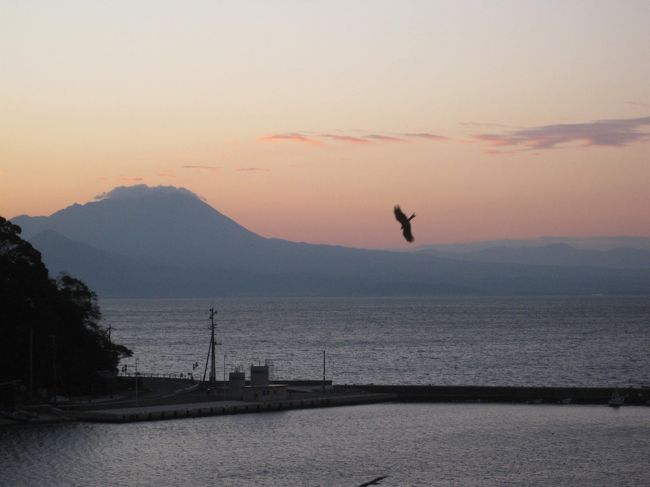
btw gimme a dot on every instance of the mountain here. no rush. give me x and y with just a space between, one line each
165 241
165 225
559 254
102 271
581 243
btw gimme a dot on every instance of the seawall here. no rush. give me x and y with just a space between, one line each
506 394
194 403
218 408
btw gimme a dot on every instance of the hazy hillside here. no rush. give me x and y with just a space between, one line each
165 241
602 243
555 254
164 225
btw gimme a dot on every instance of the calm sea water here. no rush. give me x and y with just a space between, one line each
583 341
414 444
541 341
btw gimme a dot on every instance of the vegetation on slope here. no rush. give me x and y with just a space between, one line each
49 333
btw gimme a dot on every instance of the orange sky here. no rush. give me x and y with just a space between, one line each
310 120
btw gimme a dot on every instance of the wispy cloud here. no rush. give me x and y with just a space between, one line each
482 124
130 179
201 167
350 139
426 135
291 137
637 103
354 138
167 175
608 133
142 190
385 138
253 169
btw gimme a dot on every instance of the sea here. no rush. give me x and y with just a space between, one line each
540 341
524 341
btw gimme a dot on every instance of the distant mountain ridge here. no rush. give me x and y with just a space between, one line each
165 225
602 243
166 242
559 254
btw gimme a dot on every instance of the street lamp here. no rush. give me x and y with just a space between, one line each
136 381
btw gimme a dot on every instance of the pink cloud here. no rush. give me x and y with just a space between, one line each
427 136
637 103
201 167
130 179
608 133
482 124
385 138
167 175
347 138
253 169
292 137
362 139
495 152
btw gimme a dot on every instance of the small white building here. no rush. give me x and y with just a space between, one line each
260 388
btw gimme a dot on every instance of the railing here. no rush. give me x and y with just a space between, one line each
181 375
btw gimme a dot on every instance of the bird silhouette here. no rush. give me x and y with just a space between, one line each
405 222
374 481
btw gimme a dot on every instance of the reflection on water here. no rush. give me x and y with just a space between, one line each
503 341
414 444
574 341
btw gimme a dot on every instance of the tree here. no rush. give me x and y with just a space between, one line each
56 318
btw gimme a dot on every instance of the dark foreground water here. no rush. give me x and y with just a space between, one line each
542 341
414 444
521 341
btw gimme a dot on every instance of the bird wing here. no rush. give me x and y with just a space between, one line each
406 231
374 481
400 216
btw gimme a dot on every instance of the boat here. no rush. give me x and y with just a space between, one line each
616 400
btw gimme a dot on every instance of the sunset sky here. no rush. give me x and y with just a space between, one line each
309 120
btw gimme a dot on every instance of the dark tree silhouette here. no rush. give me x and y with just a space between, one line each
59 317
405 222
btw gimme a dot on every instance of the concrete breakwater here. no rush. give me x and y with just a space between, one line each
172 399
216 408
507 394
346 395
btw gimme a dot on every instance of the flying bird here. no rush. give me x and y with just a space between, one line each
405 222
374 481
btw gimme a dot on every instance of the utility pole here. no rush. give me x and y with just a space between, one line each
323 370
136 381
110 343
213 365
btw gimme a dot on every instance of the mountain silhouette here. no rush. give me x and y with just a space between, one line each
559 254
167 242
164 225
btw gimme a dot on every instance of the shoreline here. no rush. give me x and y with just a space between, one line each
195 401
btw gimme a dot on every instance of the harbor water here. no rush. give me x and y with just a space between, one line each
520 341
413 444
541 341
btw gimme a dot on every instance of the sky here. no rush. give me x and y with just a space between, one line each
310 120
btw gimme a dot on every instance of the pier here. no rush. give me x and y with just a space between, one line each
172 398
217 408
191 402
507 394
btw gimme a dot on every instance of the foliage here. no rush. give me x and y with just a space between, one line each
58 316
